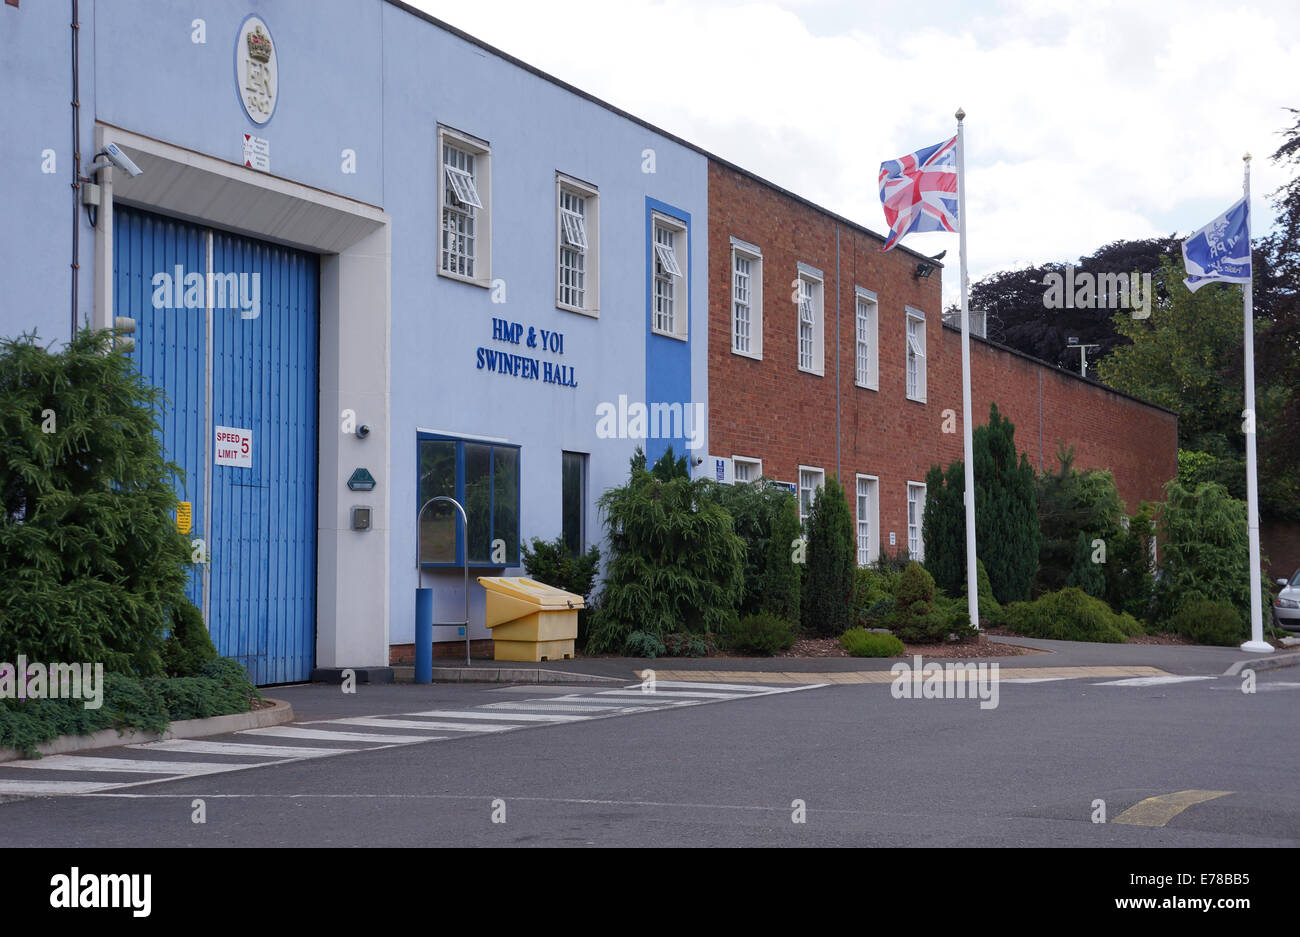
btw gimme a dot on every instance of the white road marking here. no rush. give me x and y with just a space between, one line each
53 787
572 706
132 765
1029 679
197 747
291 732
636 691
557 707
1151 681
513 717
380 722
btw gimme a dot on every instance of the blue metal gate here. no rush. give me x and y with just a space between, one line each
256 512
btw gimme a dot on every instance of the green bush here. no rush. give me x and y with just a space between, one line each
990 608
643 644
1204 621
1006 514
220 687
1084 573
675 562
920 615
762 635
189 646
1070 614
829 580
782 579
1075 504
1129 566
91 562
681 644
860 642
552 562
1204 549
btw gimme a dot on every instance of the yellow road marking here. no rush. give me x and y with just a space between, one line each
1159 810
884 676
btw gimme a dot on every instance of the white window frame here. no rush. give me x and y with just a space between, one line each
812 496
743 251
810 298
466 190
872 520
588 226
670 269
917 554
866 339
739 460
914 355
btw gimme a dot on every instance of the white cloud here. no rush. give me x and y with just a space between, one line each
1087 123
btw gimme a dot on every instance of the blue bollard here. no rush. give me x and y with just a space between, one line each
423 635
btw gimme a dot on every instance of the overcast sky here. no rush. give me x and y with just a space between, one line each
1087 122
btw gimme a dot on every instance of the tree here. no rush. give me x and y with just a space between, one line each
1277 302
1006 515
675 562
1018 317
943 526
91 563
1074 504
756 510
782 579
828 586
1204 556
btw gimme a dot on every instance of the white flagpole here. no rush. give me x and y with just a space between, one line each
968 444
1256 642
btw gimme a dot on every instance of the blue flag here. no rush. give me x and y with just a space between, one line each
1220 252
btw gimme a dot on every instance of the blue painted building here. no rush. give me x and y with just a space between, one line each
360 244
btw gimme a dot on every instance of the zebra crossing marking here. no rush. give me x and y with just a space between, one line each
345 735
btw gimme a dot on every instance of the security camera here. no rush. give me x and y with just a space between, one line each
115 158
363 431
698 460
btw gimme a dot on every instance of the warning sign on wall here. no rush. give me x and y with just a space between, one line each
184 516
234 446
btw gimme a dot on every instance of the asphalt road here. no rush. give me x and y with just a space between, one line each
869 769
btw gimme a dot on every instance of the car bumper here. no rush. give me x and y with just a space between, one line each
1288 618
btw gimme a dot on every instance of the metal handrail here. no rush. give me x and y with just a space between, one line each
464 562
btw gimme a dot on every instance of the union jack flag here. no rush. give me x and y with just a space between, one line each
919 191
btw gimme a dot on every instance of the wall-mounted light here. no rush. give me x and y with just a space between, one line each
923 271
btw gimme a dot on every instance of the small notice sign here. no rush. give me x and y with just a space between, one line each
257 152
362 480
234 446
184 516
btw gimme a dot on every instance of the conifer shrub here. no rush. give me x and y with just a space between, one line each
761 634
675 562
91 563
828 584
1205 621
1070 614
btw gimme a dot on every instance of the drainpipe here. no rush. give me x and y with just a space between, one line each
838 476
76 164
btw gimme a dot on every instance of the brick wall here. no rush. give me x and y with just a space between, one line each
769 409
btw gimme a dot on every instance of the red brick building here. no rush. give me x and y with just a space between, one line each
830 357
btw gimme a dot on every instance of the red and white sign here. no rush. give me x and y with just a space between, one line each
234 446
257 152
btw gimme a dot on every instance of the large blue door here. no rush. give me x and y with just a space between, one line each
260 537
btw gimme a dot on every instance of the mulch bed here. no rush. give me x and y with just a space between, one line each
830 647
